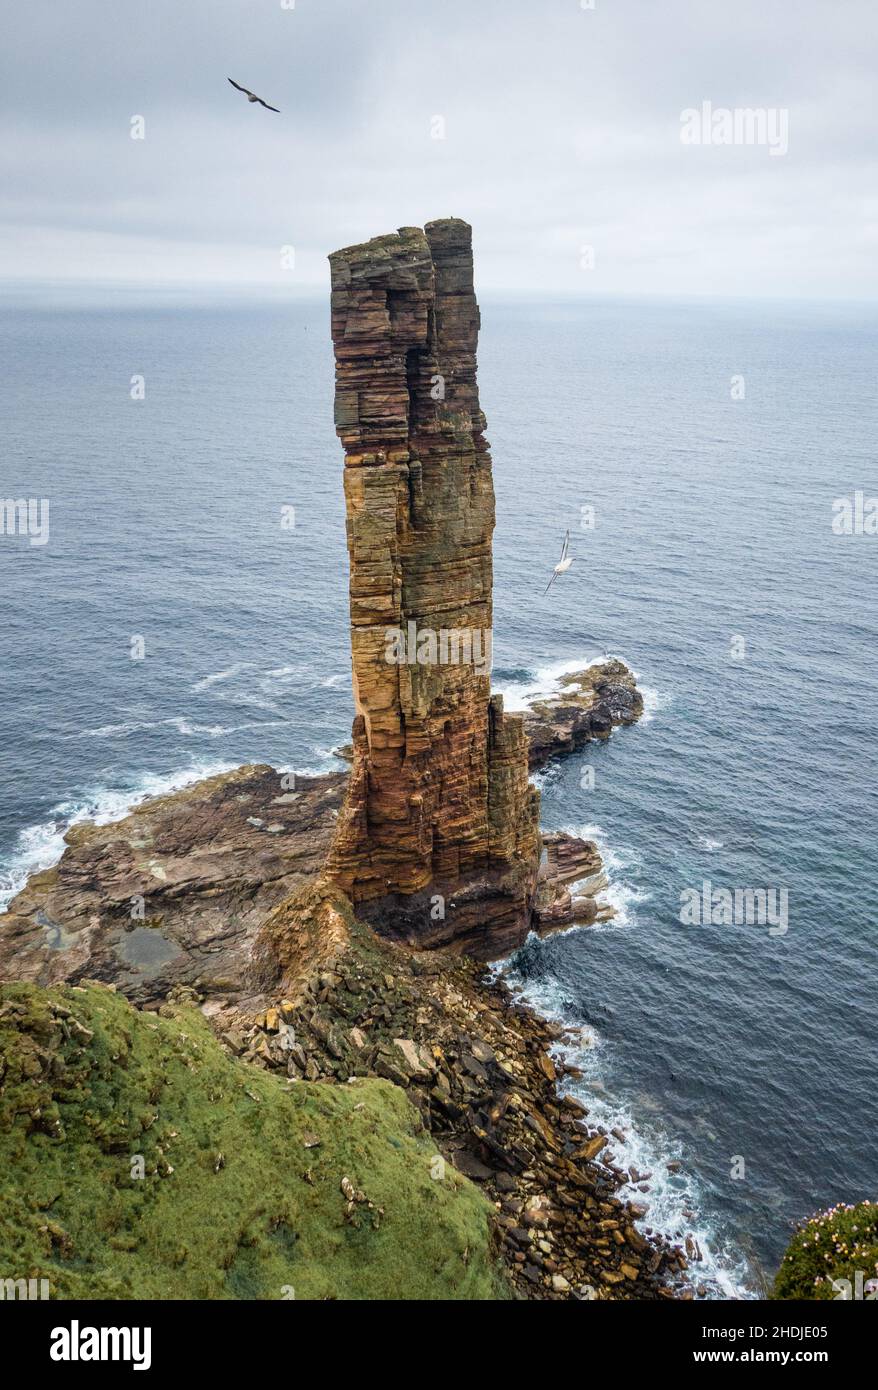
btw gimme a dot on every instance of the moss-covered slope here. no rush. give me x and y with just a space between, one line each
252 1187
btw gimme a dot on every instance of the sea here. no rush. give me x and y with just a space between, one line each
188 612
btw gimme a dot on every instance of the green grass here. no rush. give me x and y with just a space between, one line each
232 1204
833 1244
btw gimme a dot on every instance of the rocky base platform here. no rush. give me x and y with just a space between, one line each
478 1066
216 896
176 891
588 705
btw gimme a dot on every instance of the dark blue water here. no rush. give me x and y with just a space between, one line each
725 1046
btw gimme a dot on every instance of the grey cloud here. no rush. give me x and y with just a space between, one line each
561 130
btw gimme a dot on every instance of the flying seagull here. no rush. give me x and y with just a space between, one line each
251 96
563 564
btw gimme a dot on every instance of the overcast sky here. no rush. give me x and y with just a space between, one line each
562 131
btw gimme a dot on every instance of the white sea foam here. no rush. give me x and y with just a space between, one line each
330 760
613 857
118 730
183 725
623 895
278 672
671 1201
705 842
327 761
256 688
207 681
624 898
40 846
654 701
546 681
520 694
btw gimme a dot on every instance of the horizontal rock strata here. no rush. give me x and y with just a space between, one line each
253 894
570 879
209 863
177 891
439 840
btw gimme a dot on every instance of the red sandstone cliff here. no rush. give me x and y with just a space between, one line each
440 817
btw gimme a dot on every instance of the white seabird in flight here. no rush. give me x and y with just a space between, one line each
563 564
251 96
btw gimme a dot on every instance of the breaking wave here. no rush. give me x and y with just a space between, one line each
637 1146
40 846
521 687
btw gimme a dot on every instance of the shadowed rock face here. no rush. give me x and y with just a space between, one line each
439 805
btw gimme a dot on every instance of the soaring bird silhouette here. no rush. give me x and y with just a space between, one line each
251 96
563 564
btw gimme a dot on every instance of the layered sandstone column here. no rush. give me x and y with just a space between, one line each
438 840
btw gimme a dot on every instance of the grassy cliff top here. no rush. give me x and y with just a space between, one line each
251 1187
832 1255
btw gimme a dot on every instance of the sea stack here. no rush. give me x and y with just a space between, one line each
438 840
